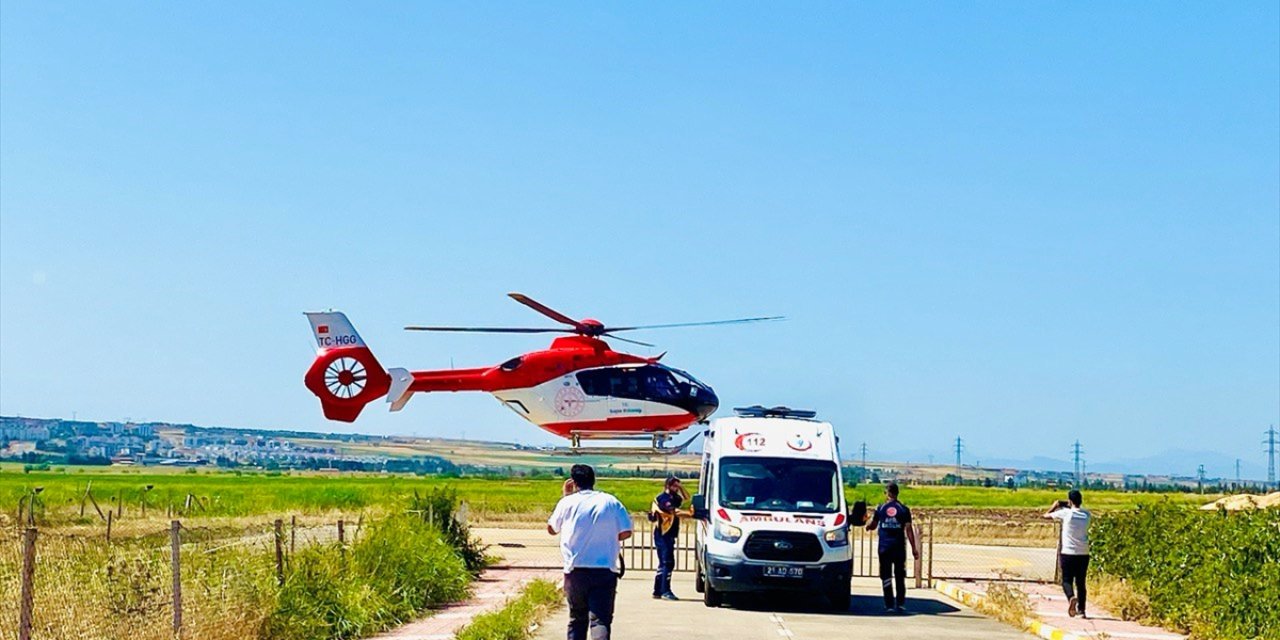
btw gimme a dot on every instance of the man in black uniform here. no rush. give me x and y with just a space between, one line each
894 520
665 513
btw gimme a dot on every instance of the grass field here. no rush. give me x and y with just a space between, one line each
243 494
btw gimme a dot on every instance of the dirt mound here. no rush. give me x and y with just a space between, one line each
1245 501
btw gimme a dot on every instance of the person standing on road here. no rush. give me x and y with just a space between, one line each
665 513
894 521
591 524
1073 556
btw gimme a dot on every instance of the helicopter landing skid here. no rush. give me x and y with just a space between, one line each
656 447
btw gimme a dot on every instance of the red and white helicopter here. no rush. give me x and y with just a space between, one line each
579 388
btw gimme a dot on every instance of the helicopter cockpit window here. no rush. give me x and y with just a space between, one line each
512 364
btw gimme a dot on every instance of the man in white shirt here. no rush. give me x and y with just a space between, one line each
592 525
1074 554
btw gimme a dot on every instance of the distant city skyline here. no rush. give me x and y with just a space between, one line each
1023 224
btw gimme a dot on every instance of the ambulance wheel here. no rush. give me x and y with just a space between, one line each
710 596
699 582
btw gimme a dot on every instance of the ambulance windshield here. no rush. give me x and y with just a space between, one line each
779 484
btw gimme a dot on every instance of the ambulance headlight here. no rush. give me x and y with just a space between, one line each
727 532
837 537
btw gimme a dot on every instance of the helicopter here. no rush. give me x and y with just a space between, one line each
579 388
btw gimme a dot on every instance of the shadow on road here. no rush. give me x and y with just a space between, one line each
859 605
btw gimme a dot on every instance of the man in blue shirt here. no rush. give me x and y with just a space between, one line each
894 521
665 513
592 524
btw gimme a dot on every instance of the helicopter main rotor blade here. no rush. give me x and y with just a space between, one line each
643 344
488 329
544 309
693 324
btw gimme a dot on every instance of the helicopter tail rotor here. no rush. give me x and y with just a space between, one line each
344 376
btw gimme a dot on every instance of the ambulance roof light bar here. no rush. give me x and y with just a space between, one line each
758 411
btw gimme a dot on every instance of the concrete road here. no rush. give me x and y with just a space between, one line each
929 615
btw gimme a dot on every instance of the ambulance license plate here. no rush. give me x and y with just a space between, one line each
783 571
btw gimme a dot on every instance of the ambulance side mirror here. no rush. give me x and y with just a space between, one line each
858 514
700 507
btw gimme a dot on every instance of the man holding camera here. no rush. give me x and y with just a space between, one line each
1073 556
592 524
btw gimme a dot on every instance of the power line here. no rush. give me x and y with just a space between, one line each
864 458
1238 483
959 467
1200 479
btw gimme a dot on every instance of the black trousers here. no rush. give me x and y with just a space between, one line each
666 549
893 572
1074 570
590 593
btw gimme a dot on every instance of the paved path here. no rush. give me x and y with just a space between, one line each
930 615
490 592
1051 608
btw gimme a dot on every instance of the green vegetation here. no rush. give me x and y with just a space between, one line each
438 508
402 566
515 620
388 569
244 494
1213 574
932 496
221 494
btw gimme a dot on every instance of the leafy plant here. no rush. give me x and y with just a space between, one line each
1212 574
439 508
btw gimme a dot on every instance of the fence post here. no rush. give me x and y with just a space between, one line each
918 565
1057 557
293 533
110 518
279 528
931 550
342 533
28 583
175 544
120 503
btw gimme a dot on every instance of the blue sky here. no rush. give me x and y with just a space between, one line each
1019 223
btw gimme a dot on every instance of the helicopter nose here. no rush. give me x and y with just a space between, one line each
707 403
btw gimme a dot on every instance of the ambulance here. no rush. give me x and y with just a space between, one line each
771 509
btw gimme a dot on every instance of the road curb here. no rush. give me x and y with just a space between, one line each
971 599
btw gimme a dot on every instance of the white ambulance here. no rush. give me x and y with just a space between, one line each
771 509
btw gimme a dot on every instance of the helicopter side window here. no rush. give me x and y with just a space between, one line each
512 364
654 384
596 382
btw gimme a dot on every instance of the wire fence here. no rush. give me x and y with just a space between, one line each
953 545
143 579
104 576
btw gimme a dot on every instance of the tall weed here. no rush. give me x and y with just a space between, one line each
399 568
